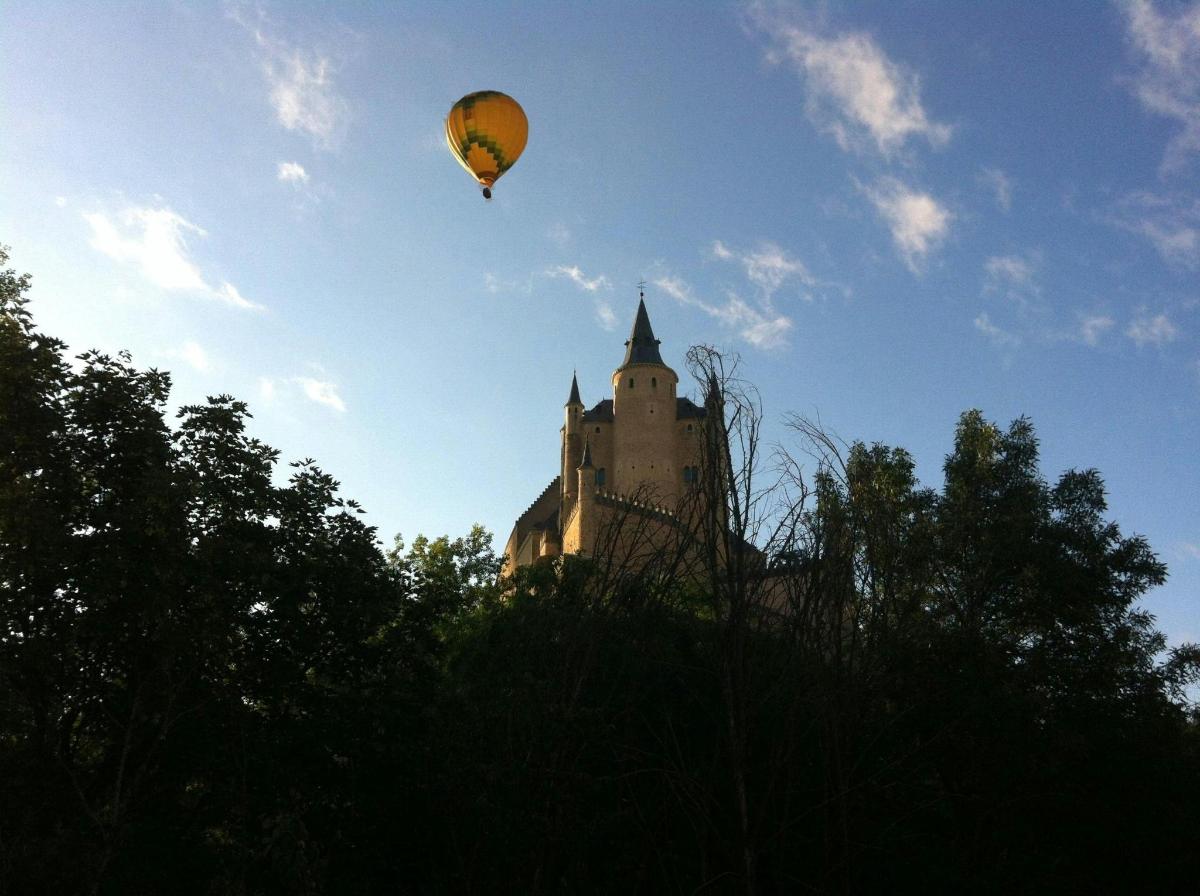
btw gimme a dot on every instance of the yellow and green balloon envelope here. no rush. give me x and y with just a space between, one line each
486 131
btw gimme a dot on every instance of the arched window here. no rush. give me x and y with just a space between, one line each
689 428
687 474
631 382
598 428
653 382
600 477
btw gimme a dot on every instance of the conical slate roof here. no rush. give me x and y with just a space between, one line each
574 399
587 455
642 347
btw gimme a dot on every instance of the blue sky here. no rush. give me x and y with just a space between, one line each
893 211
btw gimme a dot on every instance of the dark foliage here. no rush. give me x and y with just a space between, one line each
214 682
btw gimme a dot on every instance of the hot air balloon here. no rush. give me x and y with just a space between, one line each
486 131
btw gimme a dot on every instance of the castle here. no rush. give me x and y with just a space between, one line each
626 462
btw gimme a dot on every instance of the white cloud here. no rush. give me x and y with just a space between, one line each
292 172
768 267
1168 82
1190 549
855 92
151 239
918 222
1092 328
300 84
576 276
154 241
606 315
192 354
1170 222
1156 330
195 356
604 311
1012 276
228 293
321 392
762 327
999 336
559 234
266 388
1009 270
1000 185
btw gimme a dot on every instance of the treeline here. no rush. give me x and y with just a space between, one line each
213 683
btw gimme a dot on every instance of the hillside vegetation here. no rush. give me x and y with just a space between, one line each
211 683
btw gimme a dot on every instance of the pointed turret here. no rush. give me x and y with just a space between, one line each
712 395
586 462
574 398
641 347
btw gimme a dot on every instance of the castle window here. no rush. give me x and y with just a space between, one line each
598 428
653 382
631 382
689 428
600 477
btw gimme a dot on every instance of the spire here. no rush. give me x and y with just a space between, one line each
574 397
586 463
713 393
642 347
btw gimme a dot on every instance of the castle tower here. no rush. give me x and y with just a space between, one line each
625 461
644 410
572 445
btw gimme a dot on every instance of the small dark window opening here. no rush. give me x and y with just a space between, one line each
653 382
600 476
631 382
689 428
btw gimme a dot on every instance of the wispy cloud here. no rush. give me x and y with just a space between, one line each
1168 80
1170 222
918 222
576 276
1093 327
762 327
1152 330
854 91
559 234
300 83
292 173
192 354
154 242
1012 276
606 315
1190 549
593 285
321 392
768 267
1000 184
228 294
999 337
